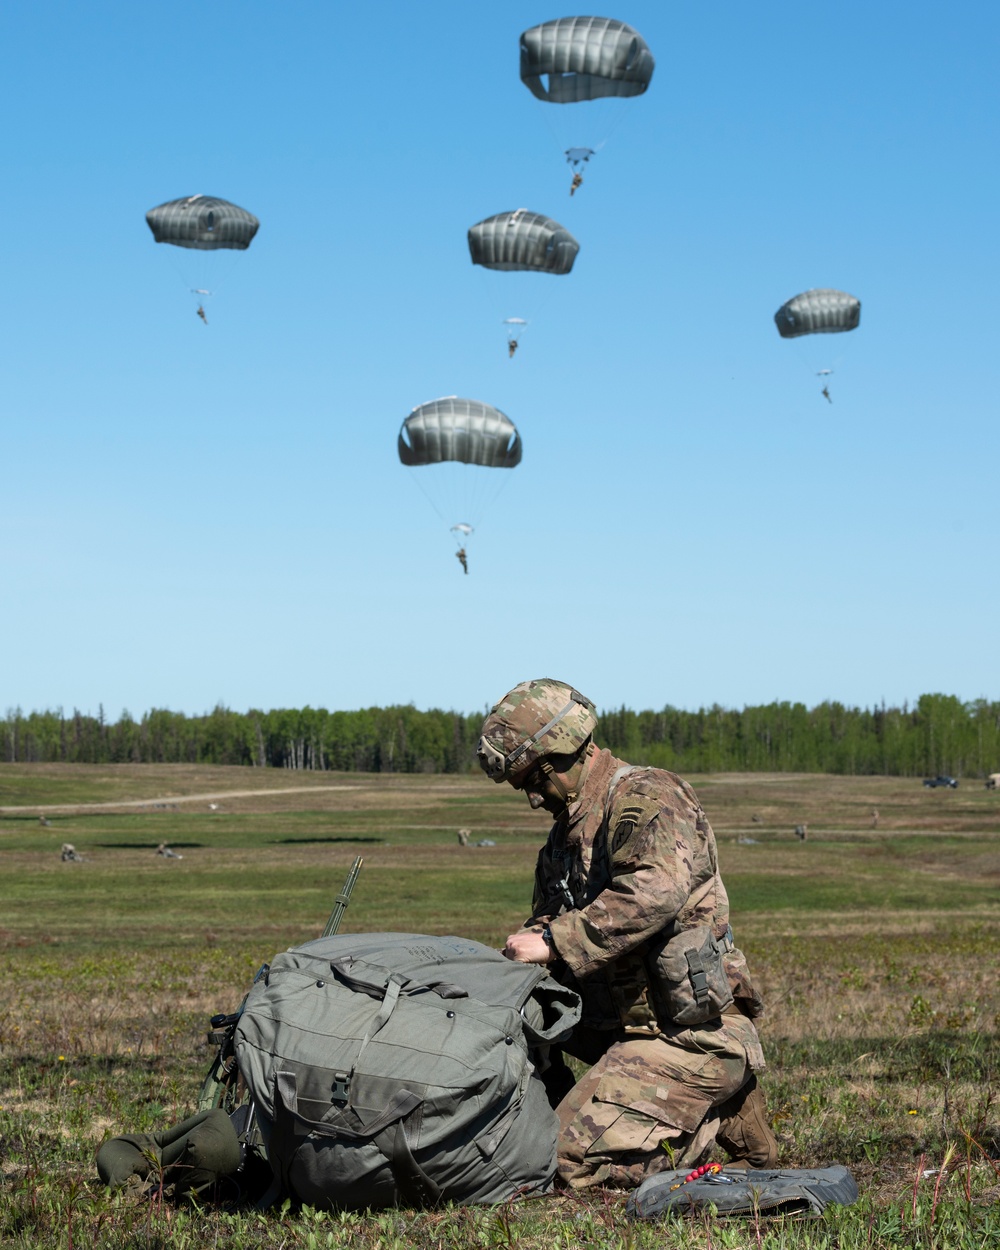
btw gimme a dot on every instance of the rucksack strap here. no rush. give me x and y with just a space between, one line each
387 1131
414 1185
349 969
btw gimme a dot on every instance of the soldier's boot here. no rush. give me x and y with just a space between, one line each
744 1131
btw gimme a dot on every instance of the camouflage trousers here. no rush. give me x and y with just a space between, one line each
646 1105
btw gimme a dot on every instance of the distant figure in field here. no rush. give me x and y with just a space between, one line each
69 854
44 822
166 852
874 817
756 819
463 837
801 831
462 558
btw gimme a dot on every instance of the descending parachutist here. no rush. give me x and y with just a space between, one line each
576 183
511 348
461 557
826 392
206 224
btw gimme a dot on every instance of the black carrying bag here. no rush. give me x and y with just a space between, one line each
744 1191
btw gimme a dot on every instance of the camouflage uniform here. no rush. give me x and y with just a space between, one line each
633 858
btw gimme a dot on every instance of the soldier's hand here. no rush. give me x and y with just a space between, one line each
527 946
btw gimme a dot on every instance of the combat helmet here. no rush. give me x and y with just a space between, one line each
534 720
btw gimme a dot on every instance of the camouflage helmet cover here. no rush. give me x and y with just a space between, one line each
534 720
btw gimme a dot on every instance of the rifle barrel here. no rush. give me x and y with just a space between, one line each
343 899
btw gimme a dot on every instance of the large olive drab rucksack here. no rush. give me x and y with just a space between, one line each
395 1069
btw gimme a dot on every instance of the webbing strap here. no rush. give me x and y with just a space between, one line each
699 977
392 988
530 742
618 774
415 1186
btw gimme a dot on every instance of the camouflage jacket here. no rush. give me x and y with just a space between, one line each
633 859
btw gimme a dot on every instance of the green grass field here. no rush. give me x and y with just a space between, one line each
877 945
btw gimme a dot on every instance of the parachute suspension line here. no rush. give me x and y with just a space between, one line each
616 114
489 500
221 269
558 139
609 114
184 278
415 477
470 491
520 303
808 364
818 366
561 143
470 500
539 306
224 266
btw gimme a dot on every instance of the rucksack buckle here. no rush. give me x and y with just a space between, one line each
341 1086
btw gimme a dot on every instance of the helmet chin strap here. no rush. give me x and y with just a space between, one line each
556 780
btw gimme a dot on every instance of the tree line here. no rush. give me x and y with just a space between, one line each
937 734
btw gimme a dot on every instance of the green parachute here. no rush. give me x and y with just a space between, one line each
203 224
575 60
821 310
457 444
525 242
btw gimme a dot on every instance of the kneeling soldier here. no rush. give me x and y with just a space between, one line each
630 911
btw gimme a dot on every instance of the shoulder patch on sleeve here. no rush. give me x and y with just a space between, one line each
631 813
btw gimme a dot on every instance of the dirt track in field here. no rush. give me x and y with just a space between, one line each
171 800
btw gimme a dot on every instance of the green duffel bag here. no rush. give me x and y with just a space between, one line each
185 1160
744 1191
396 1069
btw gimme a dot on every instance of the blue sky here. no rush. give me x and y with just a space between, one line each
197 515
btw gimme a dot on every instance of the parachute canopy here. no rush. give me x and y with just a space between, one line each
820 311
578 156
459 429
522 240
204 222
584 58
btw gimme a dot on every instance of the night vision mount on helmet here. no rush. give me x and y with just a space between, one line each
534 720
